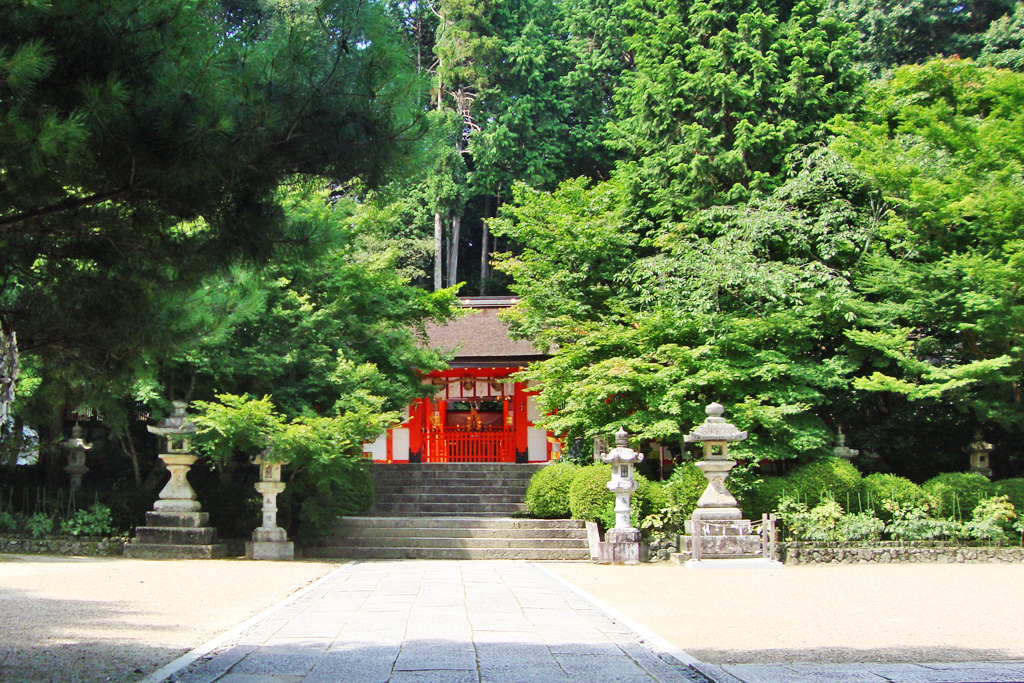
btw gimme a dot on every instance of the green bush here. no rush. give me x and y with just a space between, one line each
588 493
547 495
8 523
880 489
991 519
956 494
684 488
1013 489
325 491
764 496
96 521
590 499
39 525
821 479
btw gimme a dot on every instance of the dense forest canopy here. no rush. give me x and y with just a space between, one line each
809 211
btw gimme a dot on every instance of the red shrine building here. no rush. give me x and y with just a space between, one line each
477 412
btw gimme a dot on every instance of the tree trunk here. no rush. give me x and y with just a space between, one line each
438 248
8 370
128 446
453 252
485 247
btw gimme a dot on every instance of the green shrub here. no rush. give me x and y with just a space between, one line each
8 523
880 489
96 521
956 494
325 491
821 479
547 495
912 523
991 519
39 525
588 493
684 488
1013 489
764 496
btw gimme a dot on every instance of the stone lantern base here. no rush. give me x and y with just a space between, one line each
270 550
176 535
622 546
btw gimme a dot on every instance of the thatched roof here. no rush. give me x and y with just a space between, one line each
479 338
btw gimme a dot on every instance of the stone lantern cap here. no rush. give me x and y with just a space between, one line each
715 428
76 440
177 423
622 452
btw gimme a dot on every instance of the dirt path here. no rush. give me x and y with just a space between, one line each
841 613
73 620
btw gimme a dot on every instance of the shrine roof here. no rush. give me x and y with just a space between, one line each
479 338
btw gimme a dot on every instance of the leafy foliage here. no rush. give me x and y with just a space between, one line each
955 494
547 495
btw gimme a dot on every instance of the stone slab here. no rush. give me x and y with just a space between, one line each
156 551
274 551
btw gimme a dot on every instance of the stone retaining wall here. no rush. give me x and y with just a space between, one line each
809 553
63 546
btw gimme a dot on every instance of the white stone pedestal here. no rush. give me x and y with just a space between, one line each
269 541
178 495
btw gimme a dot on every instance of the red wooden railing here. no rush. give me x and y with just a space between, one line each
464 446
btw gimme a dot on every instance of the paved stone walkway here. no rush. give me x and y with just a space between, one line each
437 622
489 622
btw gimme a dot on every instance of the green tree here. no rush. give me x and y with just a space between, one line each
720 92
943 143
895 32
141 145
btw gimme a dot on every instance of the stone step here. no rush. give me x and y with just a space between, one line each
452 509
451 484
414 498
458 532
443 522
164 551
176 535
382 553
452 542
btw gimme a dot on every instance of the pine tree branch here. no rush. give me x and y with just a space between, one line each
68 205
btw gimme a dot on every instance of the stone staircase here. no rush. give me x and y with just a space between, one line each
453 511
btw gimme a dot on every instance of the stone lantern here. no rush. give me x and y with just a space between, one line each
716 503
176 529
175 433
622 544
76 448
269 541
842 450
622 458
979 451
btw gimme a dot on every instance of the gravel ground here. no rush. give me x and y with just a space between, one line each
78 620
84 619
824 614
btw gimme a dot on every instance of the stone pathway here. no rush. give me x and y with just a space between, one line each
437 622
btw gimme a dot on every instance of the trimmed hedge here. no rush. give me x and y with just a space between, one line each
956 494
821 478
764 496
547 495
884 488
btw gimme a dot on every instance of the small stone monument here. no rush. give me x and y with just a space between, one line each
269 541
76 448
176 529
622 544
718 536
842 450
979 451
